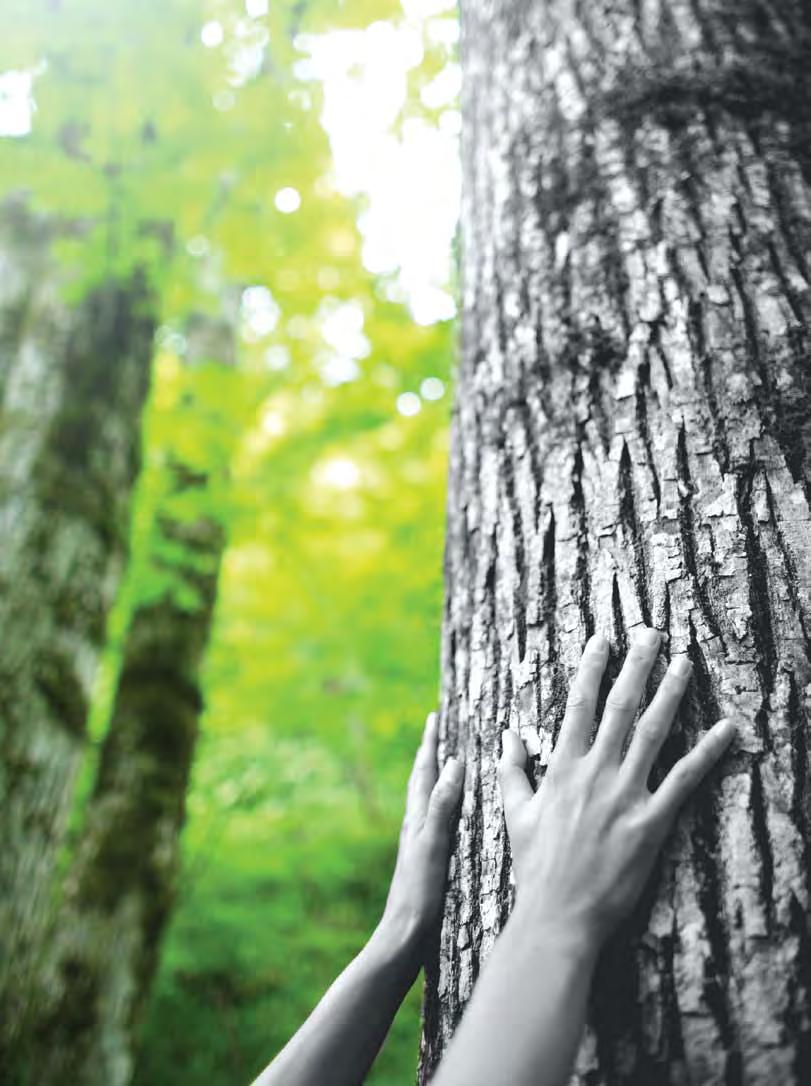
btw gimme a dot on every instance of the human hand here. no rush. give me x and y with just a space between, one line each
418 884
584 844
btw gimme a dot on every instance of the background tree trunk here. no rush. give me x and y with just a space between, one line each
121 888
73 378
631 445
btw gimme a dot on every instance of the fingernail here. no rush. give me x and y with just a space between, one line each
648 637
681 666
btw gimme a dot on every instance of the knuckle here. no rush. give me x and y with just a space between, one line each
577 699
638 828
444 794
705 750
650 733
435 804
621 701
684 771
656 826
438 838
580 778
671 683
705 758
440 797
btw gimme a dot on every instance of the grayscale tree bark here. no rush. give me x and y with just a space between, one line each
630 444
120 890
73 378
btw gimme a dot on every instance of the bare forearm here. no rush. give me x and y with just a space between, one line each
339 1041
526 1017
342 1036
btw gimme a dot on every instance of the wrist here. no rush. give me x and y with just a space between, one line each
399 940
569 937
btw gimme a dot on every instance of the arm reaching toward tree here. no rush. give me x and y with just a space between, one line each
342 1036
583 847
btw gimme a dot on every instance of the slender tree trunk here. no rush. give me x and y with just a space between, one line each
73 378
630 445
122 885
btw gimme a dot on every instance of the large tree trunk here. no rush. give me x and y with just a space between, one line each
120 890
73 378
631 445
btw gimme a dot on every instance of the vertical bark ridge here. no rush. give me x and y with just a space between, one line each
688 535
582 580
759 595
643 383
628 518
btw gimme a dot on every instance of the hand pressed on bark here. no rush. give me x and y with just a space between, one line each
340 1039
584 844
418 884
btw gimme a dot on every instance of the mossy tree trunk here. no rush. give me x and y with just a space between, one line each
73 378
630 444
122 885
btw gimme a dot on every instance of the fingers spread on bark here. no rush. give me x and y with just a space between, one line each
655 723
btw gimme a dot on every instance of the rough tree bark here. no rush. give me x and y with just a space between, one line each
630 445
121 887
73 378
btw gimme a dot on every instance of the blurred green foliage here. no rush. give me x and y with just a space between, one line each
324 654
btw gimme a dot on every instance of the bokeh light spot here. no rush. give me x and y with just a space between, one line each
287 200
212 34
409 403
432 388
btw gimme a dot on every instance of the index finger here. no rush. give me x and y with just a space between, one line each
581 703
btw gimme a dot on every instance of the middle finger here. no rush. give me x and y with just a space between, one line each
625 695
